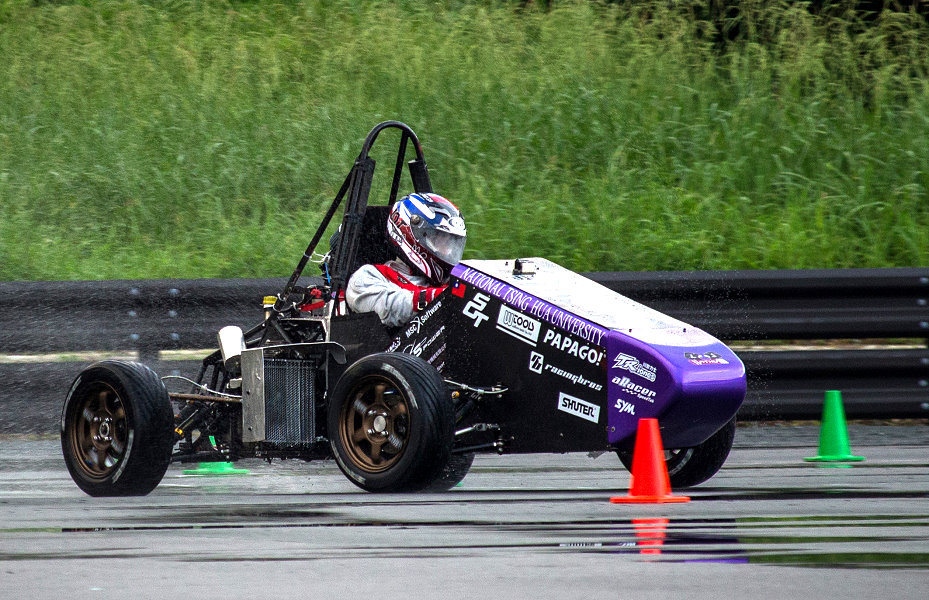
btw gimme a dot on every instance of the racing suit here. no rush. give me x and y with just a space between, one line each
391 291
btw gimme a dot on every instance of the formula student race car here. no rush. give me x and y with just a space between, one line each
514 356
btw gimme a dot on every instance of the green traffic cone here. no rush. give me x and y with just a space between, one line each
215 468
833 435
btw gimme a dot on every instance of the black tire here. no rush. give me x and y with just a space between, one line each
688 467
391 423
454 472
117 429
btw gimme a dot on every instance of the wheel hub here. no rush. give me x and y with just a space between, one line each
380 424
375 425
104 430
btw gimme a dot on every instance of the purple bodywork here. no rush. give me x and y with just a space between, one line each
655 365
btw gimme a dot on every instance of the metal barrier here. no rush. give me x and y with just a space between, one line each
843 306
151 316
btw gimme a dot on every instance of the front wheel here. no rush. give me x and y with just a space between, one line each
688 467
391 423
117 429
453 473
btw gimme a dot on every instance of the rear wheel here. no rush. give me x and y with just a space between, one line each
391 423
117 429
688 467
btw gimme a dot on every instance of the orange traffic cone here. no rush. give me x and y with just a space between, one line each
650 482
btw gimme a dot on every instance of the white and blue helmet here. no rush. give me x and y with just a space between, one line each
429 232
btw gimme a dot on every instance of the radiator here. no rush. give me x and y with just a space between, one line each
278 399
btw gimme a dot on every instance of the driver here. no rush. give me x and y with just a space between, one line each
429 234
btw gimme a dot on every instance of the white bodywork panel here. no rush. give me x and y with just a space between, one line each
590 300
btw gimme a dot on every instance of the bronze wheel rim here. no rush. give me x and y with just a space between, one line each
99 431
375 425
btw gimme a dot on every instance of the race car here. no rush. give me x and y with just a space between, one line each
514 356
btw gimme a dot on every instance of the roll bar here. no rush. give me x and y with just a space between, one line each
357 187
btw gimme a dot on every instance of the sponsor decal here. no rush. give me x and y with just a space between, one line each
523 328
419 346
579 408
538 365
566 321
474 308
436 355
624 407
534 307
418 321
707 358
632 364
517 298
576 379
484 282
536 362
571 346
630 387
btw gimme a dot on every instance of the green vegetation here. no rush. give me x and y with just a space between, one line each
205 138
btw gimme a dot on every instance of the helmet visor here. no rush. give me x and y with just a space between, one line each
447 247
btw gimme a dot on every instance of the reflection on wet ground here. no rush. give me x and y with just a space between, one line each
857 541
766 508
750 541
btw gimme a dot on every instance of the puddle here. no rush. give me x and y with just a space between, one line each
812 494
752 541
844 542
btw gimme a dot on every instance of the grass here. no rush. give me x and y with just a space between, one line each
205 138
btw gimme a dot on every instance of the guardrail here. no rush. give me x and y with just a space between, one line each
843 306
151 316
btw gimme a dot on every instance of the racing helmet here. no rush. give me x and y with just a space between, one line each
429 232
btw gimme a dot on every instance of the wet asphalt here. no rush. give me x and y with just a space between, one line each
769 525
